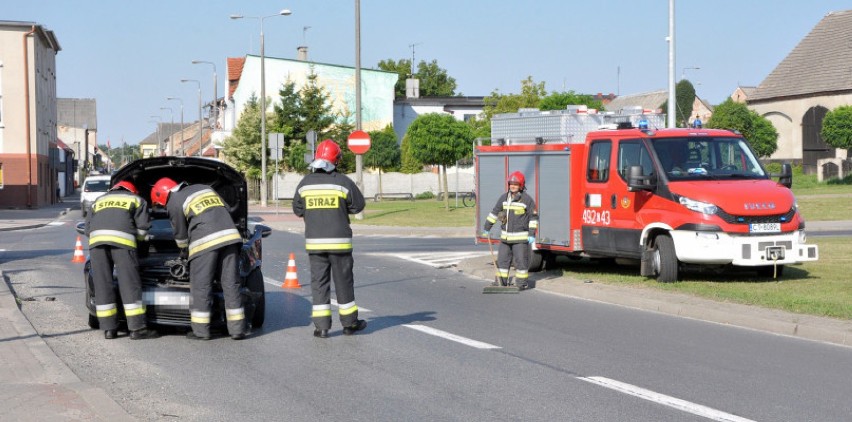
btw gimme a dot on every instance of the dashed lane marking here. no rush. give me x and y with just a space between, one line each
452 337
683 405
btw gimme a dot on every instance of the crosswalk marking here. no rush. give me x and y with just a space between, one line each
437 259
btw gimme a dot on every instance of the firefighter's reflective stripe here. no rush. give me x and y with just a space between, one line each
533 223
329 244
328 197
521 274
141 234
320 311
503 272
491 218
104 311
182 243
347 308
134 309
324 189
518 207
510 236
200 201
235 314
212 240
97 237
199 317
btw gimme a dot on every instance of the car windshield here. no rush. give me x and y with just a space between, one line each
96 186
693 158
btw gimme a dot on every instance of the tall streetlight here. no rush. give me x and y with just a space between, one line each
199 109
171 113
215 104
158 121
181 119
284 12
683 72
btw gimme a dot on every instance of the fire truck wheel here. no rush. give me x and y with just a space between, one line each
536 262
665 260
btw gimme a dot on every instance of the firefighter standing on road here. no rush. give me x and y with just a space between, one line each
517 214
208 238
118 220
325 198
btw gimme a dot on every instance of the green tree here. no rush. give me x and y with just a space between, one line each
558 101
837 127
383 153
402 68
409 164
294 160
314 109
684 99
286 112
242 148
340 133
530 96
439 139
434 80
757 130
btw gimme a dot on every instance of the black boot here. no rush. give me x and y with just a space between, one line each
357 326
320 333
192 336
143 334
110 334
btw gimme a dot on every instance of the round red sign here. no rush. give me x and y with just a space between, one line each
358 142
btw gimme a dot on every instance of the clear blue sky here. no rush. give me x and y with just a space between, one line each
130 56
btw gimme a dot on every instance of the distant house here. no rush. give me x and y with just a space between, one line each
77 126
812 80
654 99
743 93
405 110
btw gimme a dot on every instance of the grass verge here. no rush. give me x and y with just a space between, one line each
821 288
420 213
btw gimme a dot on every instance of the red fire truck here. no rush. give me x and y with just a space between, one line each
618 185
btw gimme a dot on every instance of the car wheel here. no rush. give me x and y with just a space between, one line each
93 322
256 286
665 260
536 261
83 210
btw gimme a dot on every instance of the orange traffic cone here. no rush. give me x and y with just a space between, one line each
291 280
78 258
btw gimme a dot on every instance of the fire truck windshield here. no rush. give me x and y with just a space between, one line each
692 158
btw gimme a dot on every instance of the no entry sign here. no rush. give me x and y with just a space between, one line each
358 142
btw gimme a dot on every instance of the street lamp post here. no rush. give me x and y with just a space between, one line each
683 72
200 133
215 104
263 141
172 114
158 121
181 119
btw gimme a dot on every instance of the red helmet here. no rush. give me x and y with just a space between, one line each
517 177
328 150
160 191
126 185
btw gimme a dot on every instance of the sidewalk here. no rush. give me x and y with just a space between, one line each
34 383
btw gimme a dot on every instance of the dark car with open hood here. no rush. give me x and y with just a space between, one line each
165 276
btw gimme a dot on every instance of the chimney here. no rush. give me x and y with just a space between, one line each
302 53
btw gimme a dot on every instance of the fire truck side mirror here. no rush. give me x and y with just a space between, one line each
786 176
636 180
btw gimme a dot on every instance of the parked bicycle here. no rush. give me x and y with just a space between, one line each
469 199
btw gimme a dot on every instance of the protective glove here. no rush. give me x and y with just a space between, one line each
184 253
531 239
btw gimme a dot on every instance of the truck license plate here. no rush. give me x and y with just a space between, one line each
764 228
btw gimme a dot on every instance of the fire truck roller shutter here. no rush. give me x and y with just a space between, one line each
491 183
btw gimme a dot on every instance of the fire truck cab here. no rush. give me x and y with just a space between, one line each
664 197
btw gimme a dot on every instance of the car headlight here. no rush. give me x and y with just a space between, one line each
702 207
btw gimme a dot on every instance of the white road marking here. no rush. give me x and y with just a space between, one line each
56 223
452 337
437 259
683 405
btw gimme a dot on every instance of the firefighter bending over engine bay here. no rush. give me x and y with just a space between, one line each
118 220
208 238
518 218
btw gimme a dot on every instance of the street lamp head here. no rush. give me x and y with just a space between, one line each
197 61
236 16
285 12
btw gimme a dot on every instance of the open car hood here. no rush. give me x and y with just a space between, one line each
228 183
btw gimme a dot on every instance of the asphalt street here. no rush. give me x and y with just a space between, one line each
436 348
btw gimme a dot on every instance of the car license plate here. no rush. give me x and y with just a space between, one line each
764 228
166 299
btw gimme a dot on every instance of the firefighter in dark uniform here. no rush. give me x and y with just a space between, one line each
325 198
518 216
119 219
206 234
